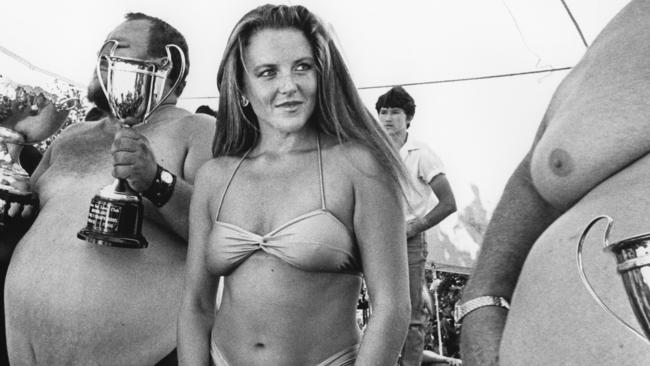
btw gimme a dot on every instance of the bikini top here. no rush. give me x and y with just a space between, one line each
314 242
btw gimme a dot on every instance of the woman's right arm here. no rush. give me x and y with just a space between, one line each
196 314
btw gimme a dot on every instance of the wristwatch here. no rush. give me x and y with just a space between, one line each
460 310
166 177
162 187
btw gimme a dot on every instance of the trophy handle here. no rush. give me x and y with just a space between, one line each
585 280
98 70
178 79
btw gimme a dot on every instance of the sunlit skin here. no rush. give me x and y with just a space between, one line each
395 122
589 157
272 312
69 302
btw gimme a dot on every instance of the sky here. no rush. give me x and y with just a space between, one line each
481 128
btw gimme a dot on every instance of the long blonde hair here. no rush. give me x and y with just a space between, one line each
339 112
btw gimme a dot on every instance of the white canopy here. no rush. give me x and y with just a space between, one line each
481 128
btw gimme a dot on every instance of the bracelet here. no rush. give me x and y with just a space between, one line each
460 311
162 187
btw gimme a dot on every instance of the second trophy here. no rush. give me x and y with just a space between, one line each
134 88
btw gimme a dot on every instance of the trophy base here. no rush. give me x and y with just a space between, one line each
115 218
112 241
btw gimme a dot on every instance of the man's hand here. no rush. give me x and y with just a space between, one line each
24 206
133 159
14 110
25 211
412 228
32 115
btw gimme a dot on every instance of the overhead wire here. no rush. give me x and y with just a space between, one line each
470 78
439 81
575 23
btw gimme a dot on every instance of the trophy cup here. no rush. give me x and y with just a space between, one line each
28 115
134 89
633 264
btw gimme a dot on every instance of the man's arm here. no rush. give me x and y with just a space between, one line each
19 217
518 220
28 211
445 207
176 211
134 160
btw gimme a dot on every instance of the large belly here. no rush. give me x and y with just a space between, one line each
553 319
71 302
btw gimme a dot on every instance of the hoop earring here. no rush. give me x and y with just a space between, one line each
244 102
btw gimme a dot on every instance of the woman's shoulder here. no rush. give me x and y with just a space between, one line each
217 170
356 158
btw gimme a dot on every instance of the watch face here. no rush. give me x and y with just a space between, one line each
166 177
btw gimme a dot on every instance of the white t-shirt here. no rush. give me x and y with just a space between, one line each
422 165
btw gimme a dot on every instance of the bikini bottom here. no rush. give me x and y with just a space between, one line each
345 357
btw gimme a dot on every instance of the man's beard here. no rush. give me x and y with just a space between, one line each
96 95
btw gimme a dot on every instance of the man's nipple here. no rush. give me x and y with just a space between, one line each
560 163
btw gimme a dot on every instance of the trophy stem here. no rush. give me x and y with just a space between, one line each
121 186
13 178
14 151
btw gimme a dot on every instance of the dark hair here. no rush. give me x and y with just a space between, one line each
94 114
160 35
397 97
205 109
339 111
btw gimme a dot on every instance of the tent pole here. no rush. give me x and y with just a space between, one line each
435 298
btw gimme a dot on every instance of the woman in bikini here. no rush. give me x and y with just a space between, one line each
302 199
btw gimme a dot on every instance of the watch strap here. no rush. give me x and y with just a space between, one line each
162 187
460 311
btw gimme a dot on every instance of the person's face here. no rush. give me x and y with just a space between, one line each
280 78
133 38
395 123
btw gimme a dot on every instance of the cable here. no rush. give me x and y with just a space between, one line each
438 81
575 23
214 97
521 34
470 78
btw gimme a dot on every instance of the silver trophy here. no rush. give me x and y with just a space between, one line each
28 115
633 265
134 89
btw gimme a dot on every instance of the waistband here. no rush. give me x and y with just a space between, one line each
344 357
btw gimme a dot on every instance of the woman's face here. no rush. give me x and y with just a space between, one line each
280 78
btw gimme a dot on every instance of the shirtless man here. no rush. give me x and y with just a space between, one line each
69 302
590 157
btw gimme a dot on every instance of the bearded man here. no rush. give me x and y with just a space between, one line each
70 302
